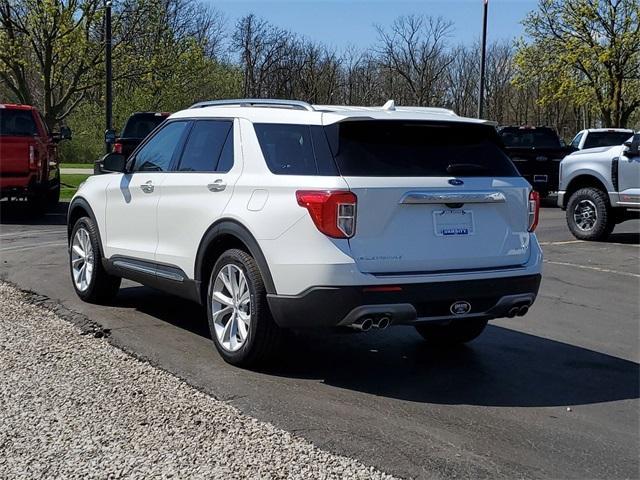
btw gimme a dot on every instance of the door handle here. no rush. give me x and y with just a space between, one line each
147 187
217 186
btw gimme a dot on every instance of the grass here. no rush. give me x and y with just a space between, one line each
76 165
70 184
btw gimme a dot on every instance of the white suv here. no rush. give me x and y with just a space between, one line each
277 214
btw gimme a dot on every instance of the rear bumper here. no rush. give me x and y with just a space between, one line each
405 304
16 184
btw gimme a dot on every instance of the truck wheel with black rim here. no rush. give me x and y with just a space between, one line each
454 333
589 215
90 280
240 321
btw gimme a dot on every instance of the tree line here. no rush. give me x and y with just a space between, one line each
578 66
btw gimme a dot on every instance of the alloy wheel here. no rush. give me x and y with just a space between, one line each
82 259
231 307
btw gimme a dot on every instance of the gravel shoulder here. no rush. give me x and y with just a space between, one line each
74 406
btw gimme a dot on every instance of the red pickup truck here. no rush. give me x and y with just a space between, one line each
29 166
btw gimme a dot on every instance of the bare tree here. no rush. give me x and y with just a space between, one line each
413 53
264 50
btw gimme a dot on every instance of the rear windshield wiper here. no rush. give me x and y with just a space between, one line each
462 168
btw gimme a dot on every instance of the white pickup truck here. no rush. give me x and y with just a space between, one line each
600 137
600 187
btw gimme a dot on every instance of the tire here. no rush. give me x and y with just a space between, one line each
98 287
454 333
37 202
53 195
594 202
262 336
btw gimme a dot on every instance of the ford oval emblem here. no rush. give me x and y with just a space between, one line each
460 308
456 181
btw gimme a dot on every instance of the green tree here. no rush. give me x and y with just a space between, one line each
51 51
587 51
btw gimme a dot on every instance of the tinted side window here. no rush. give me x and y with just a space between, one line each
207 144
156 154
226 157
287 149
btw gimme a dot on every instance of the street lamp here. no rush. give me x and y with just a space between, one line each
109 135
482 59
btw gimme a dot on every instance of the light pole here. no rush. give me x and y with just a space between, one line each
109 88
482 59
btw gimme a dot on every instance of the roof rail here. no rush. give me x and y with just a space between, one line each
256 102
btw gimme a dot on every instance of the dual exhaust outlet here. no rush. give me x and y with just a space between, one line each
367 323
520 311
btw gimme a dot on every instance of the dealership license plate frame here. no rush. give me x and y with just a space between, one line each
453 223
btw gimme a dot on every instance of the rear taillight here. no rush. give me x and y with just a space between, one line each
534 210
32 157
117 147
333 211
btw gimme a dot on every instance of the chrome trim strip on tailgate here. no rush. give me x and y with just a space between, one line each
416 198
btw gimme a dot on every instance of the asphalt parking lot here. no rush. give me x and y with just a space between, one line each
552 394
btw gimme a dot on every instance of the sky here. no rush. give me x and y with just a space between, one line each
341 23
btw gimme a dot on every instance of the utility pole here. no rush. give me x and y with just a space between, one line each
109 74
482 59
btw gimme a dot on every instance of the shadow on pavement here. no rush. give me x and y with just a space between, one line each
19 213
501 368
174 310
632 238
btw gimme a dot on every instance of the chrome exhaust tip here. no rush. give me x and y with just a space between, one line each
364 325
383 323
523 310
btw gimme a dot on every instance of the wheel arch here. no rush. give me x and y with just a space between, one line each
224 235
79 208
583 181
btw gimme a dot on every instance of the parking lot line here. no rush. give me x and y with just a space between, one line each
565 242
30 247
597 269
27 233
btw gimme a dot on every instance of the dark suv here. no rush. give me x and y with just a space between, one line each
138 126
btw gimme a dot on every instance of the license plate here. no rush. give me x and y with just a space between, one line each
452 223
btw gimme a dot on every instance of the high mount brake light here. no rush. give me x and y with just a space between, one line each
332 211
534 210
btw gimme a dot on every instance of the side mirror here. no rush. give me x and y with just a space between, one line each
633 146
111 163
63 134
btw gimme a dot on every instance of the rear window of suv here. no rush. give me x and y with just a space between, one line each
418 149
373 148
17 123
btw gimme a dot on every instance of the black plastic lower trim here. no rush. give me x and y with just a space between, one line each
330 306
168 278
